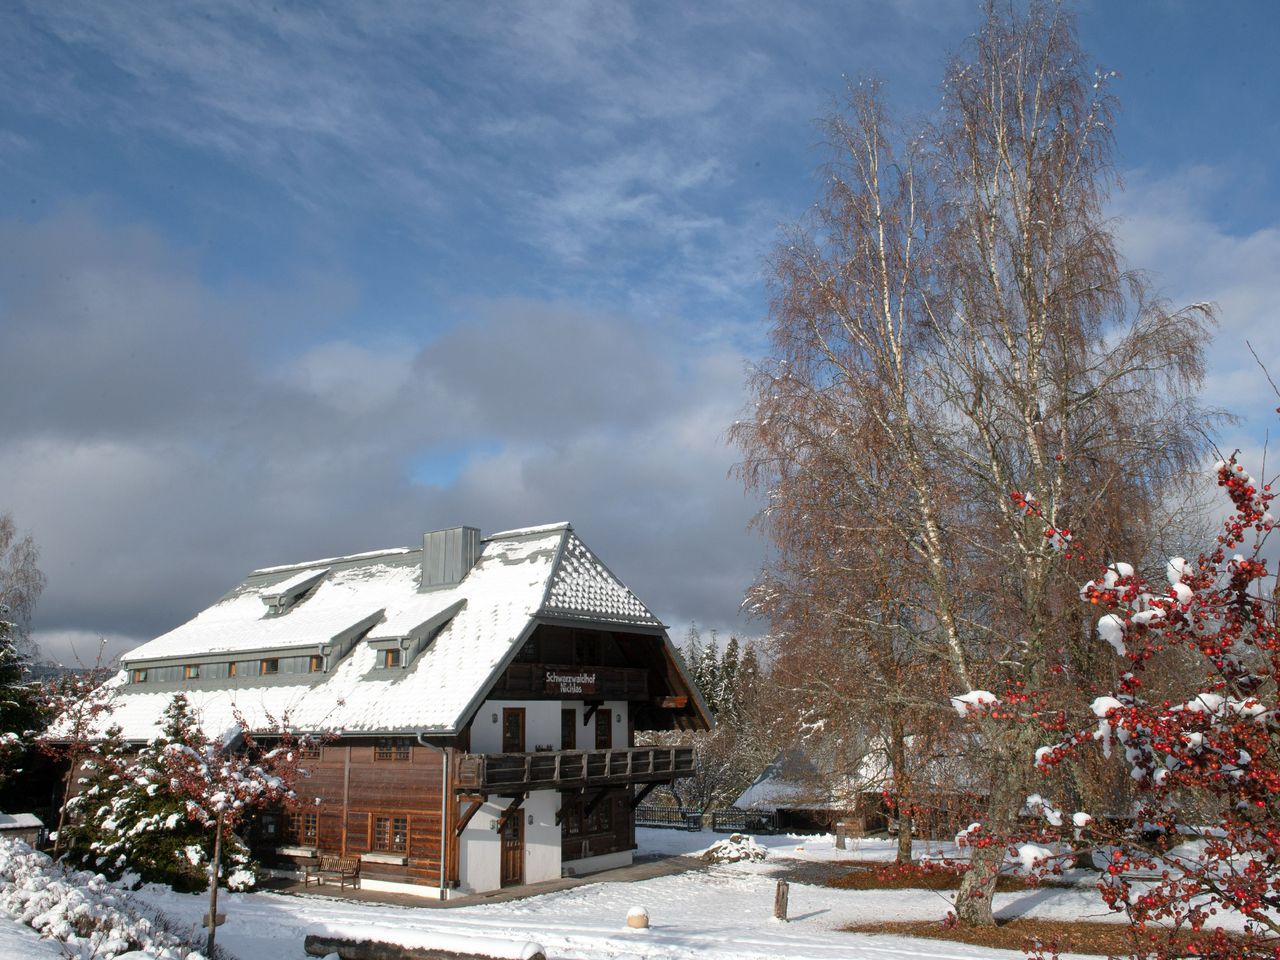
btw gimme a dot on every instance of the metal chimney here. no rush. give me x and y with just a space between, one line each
447 555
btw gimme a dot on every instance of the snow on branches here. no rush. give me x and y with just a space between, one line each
975 703
224 777
1203 758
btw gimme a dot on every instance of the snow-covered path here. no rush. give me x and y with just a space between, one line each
723 913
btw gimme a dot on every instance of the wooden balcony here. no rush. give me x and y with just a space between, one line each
524 681
505 773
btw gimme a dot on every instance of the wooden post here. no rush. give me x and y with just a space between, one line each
780 902
840 834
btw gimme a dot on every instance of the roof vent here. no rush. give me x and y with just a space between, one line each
447 555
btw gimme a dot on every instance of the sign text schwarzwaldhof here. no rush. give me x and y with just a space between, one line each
581 681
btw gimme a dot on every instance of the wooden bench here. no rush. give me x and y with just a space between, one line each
344 869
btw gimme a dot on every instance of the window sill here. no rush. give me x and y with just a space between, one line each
392 859
297 851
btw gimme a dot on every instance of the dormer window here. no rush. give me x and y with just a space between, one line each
269 666
191 671
140 676
391 658
279 597
315 663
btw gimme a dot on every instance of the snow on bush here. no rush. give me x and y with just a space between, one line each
733 848
90 915
975 701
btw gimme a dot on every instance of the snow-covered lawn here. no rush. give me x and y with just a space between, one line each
721 913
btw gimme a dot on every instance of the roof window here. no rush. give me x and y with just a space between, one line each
280 596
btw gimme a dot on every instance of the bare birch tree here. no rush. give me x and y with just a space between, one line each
952 325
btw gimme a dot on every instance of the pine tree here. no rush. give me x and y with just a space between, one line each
706 673
728 694
102 774
19 704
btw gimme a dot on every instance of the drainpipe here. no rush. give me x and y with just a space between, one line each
444 806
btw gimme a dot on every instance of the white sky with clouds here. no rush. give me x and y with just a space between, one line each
289 281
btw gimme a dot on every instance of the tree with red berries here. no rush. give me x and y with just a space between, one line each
1204 839
226 777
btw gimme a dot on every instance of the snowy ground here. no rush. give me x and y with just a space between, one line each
19 942
722 913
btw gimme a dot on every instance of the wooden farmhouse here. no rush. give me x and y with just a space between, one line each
482 697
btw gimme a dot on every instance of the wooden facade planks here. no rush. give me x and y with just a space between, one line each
351 789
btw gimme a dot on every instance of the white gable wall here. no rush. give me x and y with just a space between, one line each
542 724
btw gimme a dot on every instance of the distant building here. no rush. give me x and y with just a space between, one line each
485 694
22 826
813 789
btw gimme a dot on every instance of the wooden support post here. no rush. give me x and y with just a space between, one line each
780 901
840 834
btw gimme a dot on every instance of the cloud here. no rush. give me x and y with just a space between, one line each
618 149
1168 225
167 436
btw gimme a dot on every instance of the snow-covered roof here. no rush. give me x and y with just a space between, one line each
20 821
795 780
583 586
520 577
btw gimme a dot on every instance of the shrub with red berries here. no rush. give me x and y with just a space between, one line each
1203 843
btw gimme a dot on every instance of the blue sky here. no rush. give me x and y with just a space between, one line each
289 280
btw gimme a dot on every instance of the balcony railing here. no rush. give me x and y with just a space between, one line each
500 772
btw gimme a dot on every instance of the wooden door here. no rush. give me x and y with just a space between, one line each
513 849
604 730
513 729
568 729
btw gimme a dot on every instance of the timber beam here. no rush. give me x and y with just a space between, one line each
476 804
593 803
639 797
512 807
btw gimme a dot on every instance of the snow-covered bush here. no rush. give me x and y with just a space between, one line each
89 914
735 847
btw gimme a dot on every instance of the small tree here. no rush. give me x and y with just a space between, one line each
76 710
1205 756
223 779
21 581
